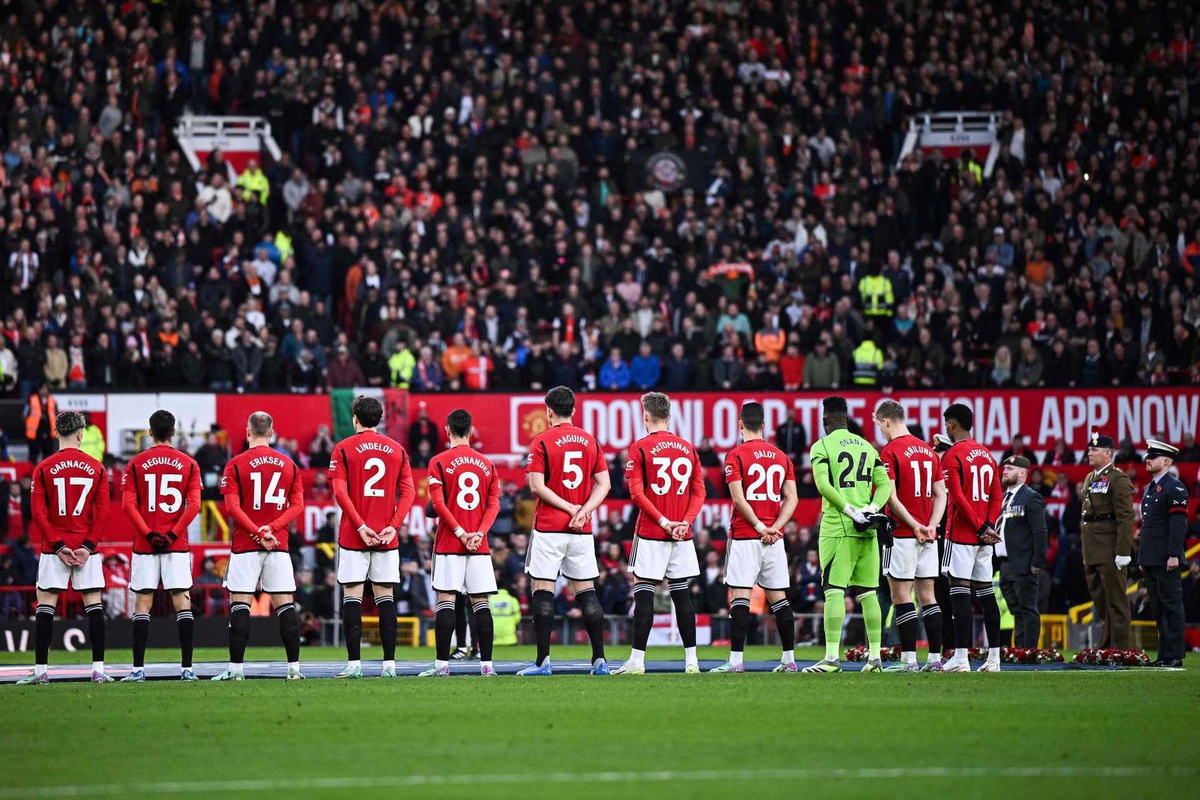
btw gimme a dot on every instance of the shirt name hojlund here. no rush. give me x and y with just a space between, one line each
658 448
915 449
83 465
379 446
572 438
163 462
258 462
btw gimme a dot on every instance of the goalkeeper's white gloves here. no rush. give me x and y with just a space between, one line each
855 514
1123 561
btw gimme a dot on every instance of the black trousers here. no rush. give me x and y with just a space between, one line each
1166 590
1021 594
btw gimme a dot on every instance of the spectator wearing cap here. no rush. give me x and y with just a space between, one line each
343 372
1107 538
1021 549
1161 549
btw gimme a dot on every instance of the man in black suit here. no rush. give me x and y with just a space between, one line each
1021 550
791 438
1160 549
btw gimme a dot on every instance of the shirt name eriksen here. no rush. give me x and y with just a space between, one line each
258 462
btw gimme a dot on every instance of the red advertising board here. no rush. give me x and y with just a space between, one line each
507 423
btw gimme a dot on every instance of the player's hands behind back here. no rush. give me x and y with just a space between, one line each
473 541
988 535
385 536
579 520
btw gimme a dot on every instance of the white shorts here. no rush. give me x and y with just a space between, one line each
376 566
463 574
272 569
172 570
572 554
908 559
53 574
749 561
654 560
969 562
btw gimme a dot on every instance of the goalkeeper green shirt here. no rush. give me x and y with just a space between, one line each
847 470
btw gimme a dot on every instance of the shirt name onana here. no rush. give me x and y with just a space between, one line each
83 465
264 460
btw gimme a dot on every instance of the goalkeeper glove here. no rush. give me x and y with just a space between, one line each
872 520
853 513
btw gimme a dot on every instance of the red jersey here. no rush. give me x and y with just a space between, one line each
372 481
914 468
160 491
762 469
465 492
973 484
567 457
69 500
665 479
261 487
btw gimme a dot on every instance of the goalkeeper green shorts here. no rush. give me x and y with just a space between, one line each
849 561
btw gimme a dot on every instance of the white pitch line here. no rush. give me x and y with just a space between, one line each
535 779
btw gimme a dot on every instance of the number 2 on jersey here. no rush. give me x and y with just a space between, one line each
274 495
378 468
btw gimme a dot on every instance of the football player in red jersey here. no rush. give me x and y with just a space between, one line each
264 495
465 492
666 483
69 501
160 493
917 504
755 553
372 482
569 476
973 483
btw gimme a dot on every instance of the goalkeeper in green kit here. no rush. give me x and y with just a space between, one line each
854 485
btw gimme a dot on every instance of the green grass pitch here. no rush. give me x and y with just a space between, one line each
1094 735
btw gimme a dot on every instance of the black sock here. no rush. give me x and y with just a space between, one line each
239 631
483 629
543 622
461 604
289 630
643 614
593 621
931 616
141 634
785 624
386 608
443 628
739 623
186 622
685 612
43 632
352 626
906 624
991 614
960 601
95 617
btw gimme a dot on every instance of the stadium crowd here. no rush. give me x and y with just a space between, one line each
602 195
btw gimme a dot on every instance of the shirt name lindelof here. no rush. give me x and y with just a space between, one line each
377 446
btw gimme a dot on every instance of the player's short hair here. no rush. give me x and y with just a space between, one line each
890 410
753 416
459 422
657 405
561 401
835 405
960 413
69 423
260 424
368 411
162 425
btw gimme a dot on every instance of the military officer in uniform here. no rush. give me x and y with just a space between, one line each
1107 538
1160 549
